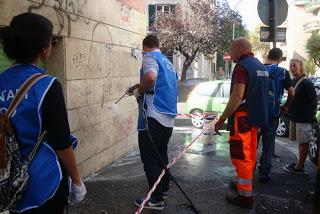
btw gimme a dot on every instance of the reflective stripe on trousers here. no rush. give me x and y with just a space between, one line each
243 145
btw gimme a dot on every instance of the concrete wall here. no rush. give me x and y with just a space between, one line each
96 59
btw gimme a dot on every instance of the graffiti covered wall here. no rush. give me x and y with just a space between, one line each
95 63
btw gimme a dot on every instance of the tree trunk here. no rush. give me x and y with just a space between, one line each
186 64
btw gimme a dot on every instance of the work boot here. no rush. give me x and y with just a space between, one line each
241 201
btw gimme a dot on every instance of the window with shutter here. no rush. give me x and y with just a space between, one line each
152 14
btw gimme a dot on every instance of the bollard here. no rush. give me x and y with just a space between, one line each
209 116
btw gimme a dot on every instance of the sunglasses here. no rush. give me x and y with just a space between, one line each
54 41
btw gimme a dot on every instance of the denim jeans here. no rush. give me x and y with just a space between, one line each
151 163
268 143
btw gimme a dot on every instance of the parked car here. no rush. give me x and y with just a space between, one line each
213 96
186 87
210 96
316 83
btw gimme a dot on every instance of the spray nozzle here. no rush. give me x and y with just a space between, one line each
129 92
131 89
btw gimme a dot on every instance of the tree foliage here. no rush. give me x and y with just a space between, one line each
313 48
310 68
201 28
239 31
257 46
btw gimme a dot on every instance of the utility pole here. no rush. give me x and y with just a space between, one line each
273 18
233 35
233 24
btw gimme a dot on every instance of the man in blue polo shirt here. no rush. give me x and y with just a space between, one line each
158 93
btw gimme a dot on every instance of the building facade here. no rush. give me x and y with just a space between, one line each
296 36
97 57
201 67
312 7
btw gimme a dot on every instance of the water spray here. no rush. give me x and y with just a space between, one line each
129 92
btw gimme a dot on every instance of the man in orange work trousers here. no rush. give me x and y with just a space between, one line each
247 110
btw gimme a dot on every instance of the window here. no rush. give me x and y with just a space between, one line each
210 90
226 90
166 9
154 9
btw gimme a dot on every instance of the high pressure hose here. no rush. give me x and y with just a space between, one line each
171 177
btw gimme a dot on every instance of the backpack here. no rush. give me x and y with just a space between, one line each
276 77
13 170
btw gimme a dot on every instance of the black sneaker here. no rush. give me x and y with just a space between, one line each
151 204
291 168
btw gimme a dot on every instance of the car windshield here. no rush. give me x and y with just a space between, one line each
213 89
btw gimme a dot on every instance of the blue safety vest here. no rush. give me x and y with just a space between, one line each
44 170
165 90
257 91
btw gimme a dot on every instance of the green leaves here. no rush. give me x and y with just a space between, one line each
313 48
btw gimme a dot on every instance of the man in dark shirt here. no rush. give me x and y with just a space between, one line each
269 133
243 135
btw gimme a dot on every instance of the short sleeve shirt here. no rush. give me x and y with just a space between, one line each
240 76
149 64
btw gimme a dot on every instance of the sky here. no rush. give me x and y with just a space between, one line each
248 11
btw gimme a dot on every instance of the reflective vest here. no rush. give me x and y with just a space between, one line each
256 99
165 89
44 170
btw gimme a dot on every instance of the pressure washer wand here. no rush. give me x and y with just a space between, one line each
128 92
121 97
171 177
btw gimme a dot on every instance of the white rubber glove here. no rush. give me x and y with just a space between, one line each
136 93
77 193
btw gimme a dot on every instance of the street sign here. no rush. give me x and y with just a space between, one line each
265 34
227 57
281 11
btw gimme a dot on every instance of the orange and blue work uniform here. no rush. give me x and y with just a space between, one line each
243 145
243 138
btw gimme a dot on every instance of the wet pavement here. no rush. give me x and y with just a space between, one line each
204 173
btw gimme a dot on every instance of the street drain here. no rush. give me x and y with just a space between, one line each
266 204
277 167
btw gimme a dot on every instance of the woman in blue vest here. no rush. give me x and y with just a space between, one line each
28 42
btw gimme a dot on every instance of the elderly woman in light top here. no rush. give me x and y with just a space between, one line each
302 113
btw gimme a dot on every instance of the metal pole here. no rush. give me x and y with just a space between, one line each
233 35
233 29
273 18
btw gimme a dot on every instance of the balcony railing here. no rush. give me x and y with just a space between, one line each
312 5
311 26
